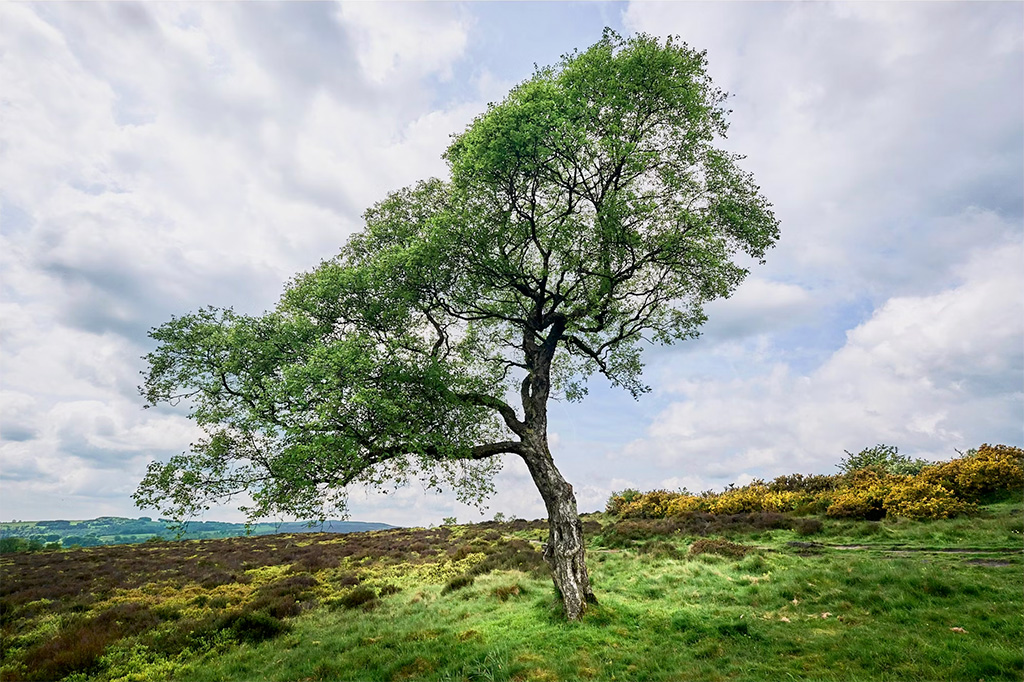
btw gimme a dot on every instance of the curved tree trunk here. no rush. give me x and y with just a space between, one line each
564 551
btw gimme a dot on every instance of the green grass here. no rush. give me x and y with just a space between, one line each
762 617
894 608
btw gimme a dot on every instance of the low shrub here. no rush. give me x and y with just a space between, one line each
618 500
76 649
659 549
720 547
348 580
354 598
286 597
516 554
624 534
253 626
389 589
807 527
458 582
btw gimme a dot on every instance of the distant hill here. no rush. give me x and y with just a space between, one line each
116 530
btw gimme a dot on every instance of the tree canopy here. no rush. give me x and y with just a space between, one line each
586 215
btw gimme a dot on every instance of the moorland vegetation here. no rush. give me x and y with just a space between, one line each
703 594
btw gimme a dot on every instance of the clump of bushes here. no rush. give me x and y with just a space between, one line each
660 549
807 527
862 496
989 470
618 501
253 626
361 596
799 483
720 547
920 499
457 583
287 597
875 483
389 589
884 457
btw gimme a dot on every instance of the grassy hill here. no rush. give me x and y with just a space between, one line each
752 596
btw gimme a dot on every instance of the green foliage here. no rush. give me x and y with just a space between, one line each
883 457
113 530
618 501
800 483
8 545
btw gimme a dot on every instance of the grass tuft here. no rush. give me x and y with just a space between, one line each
457 583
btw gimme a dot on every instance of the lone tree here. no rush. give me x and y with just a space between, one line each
587 214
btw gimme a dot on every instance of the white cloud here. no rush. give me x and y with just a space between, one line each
408 44
161 158
867 124
927 373
760 305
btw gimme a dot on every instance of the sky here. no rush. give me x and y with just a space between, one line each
157 158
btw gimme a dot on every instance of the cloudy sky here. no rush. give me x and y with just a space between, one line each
155 158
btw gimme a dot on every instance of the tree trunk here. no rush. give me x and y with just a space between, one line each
564 551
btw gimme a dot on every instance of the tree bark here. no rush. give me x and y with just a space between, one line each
565 550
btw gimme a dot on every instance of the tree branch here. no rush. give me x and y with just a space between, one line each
500 448
504 409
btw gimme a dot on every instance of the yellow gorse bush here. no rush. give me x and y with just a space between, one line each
938 491
988 469
652 505
683 504
915 498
